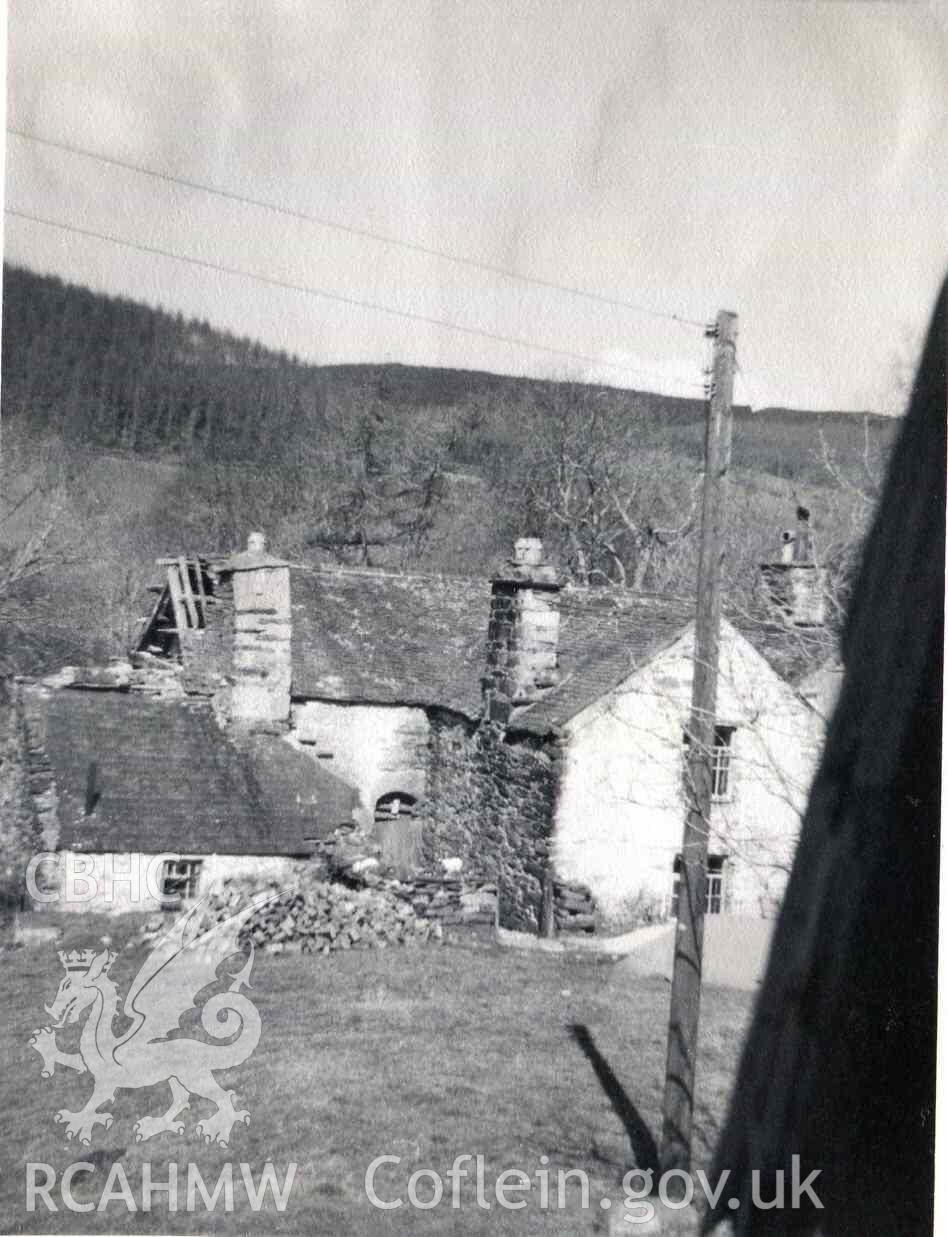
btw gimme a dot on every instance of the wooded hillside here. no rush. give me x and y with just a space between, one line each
130 432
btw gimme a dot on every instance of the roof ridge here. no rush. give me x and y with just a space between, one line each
569 586
381 573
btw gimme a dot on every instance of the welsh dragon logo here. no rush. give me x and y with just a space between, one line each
181 965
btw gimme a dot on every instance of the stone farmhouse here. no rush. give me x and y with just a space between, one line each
513 731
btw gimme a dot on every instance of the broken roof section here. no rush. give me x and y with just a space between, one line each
167 778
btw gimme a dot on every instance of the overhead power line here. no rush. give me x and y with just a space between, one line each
357 302
352 230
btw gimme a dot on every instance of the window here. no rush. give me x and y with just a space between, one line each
713 890
722 788
179 879
393 806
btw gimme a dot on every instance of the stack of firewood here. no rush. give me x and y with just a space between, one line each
319 917
575 910
360 910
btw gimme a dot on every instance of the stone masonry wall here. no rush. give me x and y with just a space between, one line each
490 803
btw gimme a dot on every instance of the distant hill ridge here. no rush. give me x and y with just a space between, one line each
426 384
116 373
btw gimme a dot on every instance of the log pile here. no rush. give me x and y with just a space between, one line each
574 909
320 917
315 915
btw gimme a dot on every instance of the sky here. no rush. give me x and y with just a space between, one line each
787 161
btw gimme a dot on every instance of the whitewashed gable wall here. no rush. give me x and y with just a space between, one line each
621 806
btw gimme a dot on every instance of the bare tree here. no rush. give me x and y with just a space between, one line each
37 540
18 837
853 495
32 503
386 493
613 501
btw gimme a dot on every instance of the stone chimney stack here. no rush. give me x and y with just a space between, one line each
523 634
795 584
262 635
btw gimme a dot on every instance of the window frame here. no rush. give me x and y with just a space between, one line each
189 878
722 761
714 885
715 873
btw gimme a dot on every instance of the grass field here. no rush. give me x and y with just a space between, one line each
422 1053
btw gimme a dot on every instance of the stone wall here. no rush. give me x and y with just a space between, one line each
452 903
490 803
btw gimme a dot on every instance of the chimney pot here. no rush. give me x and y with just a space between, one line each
256 543
796 584
528 551
803 546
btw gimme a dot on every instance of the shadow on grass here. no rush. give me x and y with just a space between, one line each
644 1147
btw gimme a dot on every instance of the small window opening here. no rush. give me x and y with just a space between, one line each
714 886
179 880
395 806
722 788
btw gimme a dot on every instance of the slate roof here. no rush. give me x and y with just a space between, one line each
374 637
168 778
794 652
389 639
604 636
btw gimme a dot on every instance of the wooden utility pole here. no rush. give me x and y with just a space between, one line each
678 1104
